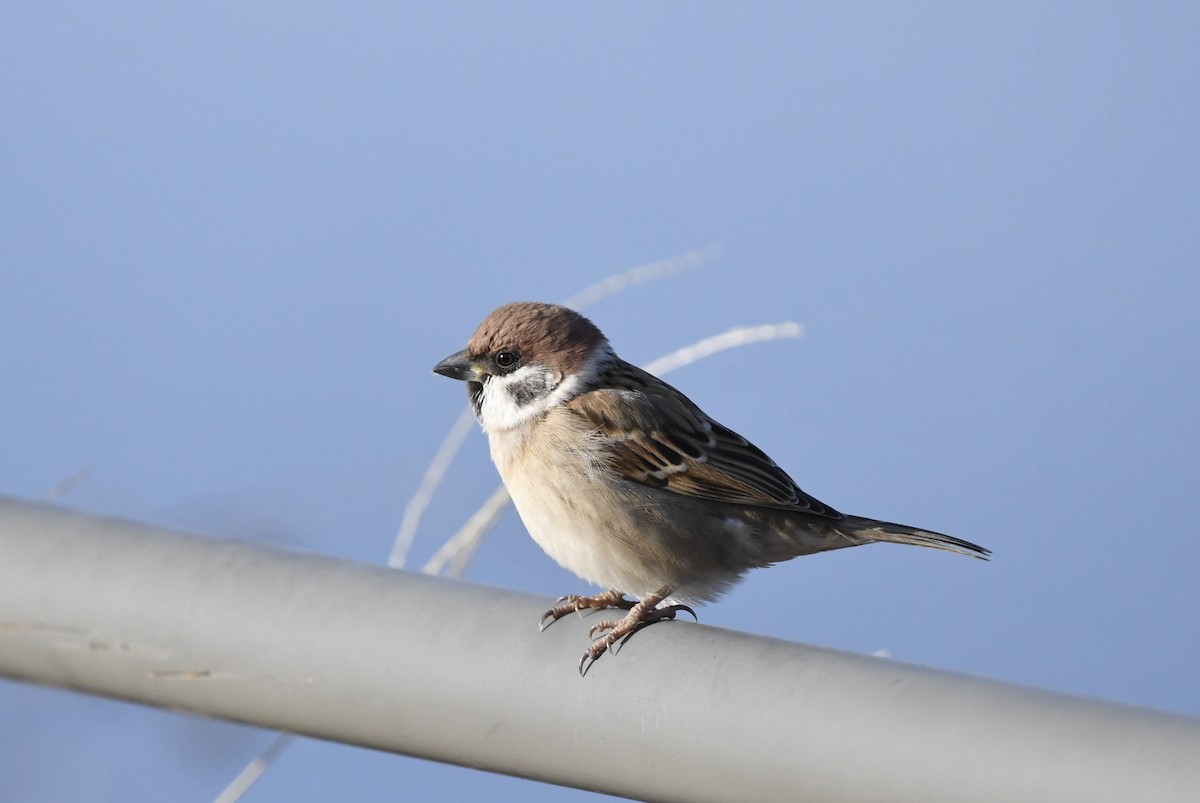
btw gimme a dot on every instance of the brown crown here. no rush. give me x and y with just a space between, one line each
546 333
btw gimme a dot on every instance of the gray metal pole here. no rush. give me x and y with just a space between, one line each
459 673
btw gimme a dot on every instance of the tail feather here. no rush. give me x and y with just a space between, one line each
871 530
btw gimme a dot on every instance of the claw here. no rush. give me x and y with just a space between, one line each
601 627
675 608
575 603
641 614
593 653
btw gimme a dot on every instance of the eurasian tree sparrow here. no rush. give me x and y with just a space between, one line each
623 480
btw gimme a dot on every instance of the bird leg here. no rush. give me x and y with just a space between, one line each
573 603
646 612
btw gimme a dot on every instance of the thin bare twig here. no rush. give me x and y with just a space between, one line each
642 274
66 485
429 483
459 548
738 336
254 770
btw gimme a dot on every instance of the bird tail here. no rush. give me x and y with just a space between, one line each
869 530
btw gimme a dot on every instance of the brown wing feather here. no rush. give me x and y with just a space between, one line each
656 436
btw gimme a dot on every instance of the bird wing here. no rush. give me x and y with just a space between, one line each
652 434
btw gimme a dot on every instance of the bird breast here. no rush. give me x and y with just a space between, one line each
574 506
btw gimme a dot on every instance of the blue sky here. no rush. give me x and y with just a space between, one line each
236 238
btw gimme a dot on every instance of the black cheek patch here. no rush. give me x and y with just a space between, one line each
533 388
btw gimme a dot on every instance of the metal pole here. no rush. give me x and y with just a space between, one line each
459 673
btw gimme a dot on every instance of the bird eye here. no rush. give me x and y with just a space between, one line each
507 359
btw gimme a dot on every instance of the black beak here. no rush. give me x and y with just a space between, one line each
459 366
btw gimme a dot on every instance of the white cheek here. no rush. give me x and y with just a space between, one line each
500 408
511 400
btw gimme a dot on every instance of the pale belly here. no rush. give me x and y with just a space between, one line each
574 526
571 512
609 531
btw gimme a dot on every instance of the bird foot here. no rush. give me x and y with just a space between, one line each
575 603
640 615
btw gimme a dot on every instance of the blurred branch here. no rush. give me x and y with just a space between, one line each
641 274
66 485
460 547
429 484
734 338
254 770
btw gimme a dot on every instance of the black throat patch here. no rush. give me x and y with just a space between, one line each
475 391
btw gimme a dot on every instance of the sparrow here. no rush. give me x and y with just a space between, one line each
624 481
